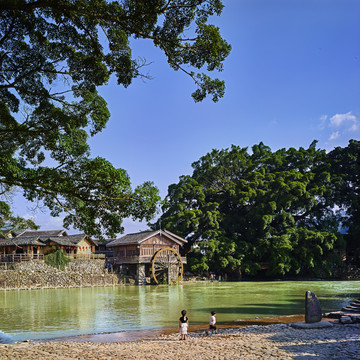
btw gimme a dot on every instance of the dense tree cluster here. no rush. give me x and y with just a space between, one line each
53 57
281 211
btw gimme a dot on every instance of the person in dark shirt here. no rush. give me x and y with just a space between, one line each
183 325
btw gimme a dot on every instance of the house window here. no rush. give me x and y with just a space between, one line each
147 251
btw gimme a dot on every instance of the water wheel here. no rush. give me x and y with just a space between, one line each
166 266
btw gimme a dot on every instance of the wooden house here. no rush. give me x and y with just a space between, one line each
36 244
100 247
134 254
80 245
22 248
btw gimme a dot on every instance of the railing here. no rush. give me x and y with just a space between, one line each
138 259
86 256
20 257
12 258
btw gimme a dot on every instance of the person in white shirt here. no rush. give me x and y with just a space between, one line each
212 322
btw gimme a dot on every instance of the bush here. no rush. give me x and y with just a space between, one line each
57 259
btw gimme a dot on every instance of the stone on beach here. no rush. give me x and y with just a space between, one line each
346 320
316 325
347 315
313 312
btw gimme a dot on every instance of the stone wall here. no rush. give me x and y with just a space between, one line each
351 272
344 272
37 275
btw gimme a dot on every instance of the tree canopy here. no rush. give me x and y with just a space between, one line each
53 57
345 167
245 212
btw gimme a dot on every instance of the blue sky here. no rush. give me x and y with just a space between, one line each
293 76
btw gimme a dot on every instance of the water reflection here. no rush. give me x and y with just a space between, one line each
50 313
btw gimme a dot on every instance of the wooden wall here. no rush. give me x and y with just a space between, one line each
146 249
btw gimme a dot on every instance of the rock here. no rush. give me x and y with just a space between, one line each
334 314
313 312
346 320
351 308
355 318
316 325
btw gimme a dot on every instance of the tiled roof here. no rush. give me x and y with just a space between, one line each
69 240
21 241
39 238
75 239
138 238
61 240
135 238
43 233
169 233
102 242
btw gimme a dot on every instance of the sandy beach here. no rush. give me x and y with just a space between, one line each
269 341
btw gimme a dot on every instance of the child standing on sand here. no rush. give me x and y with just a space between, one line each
212 322
183 325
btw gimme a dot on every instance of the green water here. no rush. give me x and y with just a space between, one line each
50 313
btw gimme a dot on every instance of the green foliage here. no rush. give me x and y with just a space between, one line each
345 166
10 224
53 61
270 210
332 266
57 259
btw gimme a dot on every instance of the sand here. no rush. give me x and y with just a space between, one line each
274 341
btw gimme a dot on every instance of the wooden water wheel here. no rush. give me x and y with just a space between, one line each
166 266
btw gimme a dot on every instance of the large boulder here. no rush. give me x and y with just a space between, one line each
313 312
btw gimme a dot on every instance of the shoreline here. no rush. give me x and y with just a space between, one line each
275 340
149 334
113 283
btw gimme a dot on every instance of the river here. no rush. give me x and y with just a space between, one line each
51 313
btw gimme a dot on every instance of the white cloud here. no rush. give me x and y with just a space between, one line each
354 127
339 119
340 125
334 135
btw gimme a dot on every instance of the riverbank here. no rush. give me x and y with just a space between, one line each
38 275
274 341
88 273
136 335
